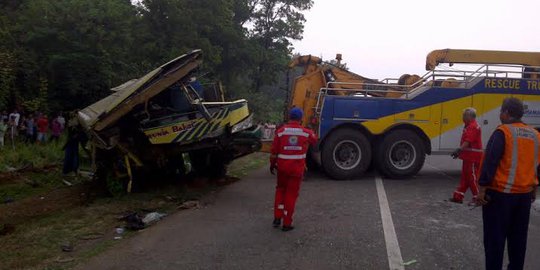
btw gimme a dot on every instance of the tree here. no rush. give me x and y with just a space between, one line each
66 54
275 23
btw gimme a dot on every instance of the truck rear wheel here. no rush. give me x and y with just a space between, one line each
401 154
346 154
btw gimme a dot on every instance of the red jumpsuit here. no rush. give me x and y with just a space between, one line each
289 149
471 157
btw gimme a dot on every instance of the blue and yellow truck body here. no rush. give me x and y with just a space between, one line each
437 111
393 124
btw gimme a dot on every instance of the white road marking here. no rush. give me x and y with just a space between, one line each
395 261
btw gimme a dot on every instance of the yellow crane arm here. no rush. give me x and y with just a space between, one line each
481 57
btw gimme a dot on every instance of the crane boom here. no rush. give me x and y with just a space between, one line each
481 57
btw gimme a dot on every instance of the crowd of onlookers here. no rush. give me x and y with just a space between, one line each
30 127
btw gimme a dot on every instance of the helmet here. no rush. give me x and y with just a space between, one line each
296 113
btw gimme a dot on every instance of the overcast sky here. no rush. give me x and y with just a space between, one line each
387 38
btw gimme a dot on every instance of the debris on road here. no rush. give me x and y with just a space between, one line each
152 218
189 205
120 230
69 184
133 221
67 247
411 262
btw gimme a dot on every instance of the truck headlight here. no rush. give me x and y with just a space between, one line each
243 125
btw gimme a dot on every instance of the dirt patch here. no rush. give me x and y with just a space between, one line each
35 206
9 178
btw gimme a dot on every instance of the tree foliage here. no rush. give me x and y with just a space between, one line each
66 54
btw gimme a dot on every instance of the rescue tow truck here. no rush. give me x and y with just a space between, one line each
394 123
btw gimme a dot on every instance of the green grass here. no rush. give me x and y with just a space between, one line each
35 155
242 166
31 184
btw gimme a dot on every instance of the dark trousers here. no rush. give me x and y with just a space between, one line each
506 218
71 158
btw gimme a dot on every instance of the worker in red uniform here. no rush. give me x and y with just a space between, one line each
291 143
470 151
508 186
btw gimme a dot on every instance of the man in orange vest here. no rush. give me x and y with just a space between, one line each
470 151
508 184
289 148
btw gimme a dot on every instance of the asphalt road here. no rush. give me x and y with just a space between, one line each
338 226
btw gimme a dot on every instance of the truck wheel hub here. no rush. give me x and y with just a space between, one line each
347 154
402 155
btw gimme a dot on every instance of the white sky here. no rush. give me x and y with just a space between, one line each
387 38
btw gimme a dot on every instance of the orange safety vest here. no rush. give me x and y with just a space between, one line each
516 172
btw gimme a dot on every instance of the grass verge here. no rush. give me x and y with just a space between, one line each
90 229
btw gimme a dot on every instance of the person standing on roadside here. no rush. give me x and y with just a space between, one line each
3 130
470 151
60 118
16 116
289 148
56 130
4 116
42 128
30 126
508 185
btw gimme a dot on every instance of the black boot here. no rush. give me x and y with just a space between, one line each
276 223
287 228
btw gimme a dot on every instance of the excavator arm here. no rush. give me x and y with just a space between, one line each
317 74
481 57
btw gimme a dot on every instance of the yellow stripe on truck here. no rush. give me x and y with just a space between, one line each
429 118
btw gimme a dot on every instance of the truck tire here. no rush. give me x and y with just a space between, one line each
346 154
401 154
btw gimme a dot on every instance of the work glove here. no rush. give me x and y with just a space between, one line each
455 154
273 168
533 194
